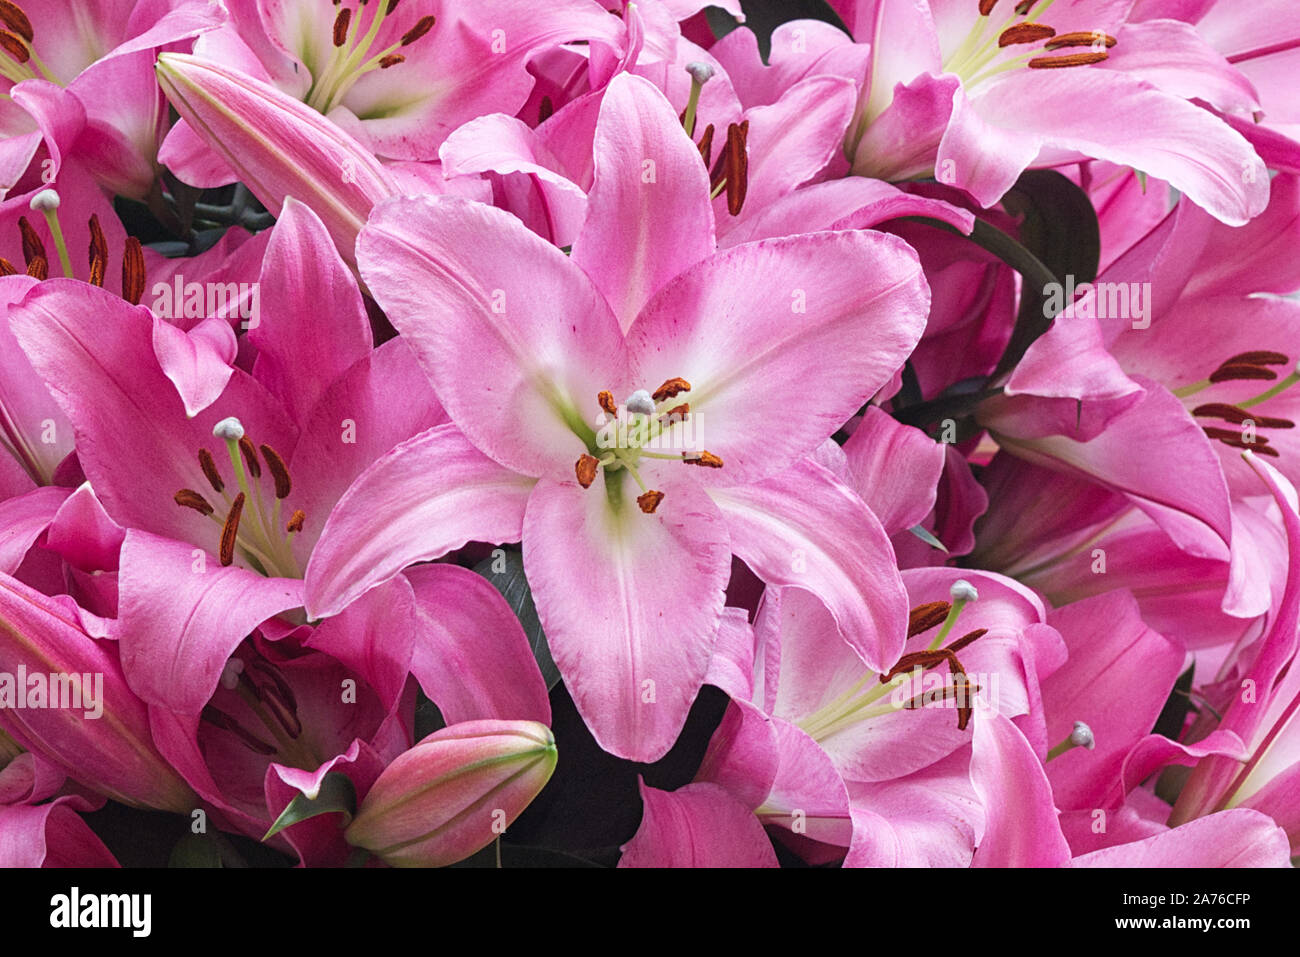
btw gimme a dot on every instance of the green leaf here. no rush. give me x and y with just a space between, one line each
505 570
925 535
195 850
1059 228
336 794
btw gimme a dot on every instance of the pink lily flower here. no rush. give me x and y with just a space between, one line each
101 738
974 92
294 704
644 535
399 78
832 756
81 82
320 404
454 792
1137 381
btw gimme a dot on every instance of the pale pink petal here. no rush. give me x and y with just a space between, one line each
648 213
1240 838
804 528
895 469
394 516
752 327
182 615
630 603
198 363
699 825
471 656
513 335
1021 827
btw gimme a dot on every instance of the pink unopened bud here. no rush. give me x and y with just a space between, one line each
63 695
454 792
278 146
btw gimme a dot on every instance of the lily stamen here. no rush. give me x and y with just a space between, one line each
1080 736
1073 59
230 530
700 73
249 526
1025 33
1080 38
189 498
352 56
46 202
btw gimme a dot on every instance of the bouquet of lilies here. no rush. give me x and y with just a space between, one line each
649 433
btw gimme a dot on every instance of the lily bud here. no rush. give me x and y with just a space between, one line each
64 696
454 792
278 146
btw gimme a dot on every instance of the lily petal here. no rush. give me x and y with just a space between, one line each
699 825
393 516
630 603
804 528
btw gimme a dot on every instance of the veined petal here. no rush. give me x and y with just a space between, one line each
631 603
431 494
1171 55
926 819
783 340
472 657
312 325
1238 838
1021 827
382 401
375 637
743 754
808 795
1189 501
517 341
792 140
198 362
648 212
804 528
1109 115
700 825
181 615
895 468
